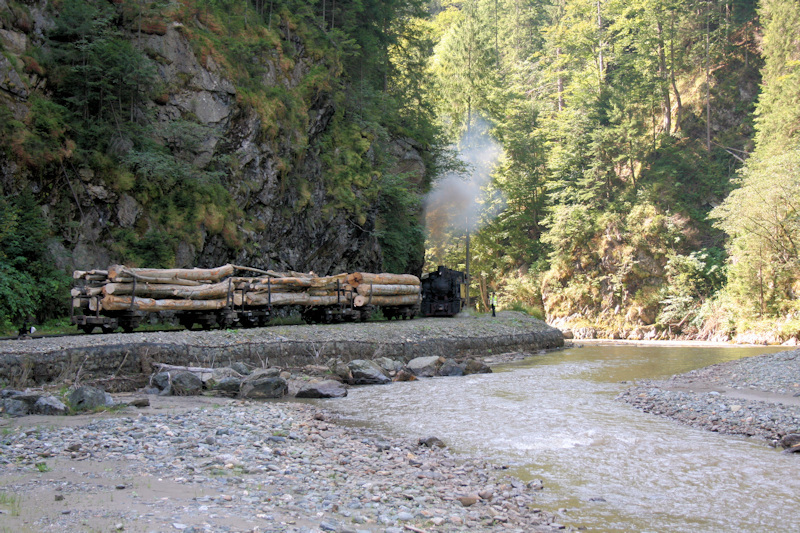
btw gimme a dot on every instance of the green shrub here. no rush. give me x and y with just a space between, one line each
31 289
535 312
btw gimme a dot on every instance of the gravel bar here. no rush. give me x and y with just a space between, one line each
755 396
236 465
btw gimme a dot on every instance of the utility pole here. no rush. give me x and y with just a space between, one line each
467 273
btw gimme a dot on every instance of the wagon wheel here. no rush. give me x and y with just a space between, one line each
86 328
248 321
310 316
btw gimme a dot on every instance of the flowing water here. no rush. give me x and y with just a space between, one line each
553 417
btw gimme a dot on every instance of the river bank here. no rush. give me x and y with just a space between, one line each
754 397
204 463
762 334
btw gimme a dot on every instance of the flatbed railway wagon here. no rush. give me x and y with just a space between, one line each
122 297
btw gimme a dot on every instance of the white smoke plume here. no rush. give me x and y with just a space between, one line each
454 205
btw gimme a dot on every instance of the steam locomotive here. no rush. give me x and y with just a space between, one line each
443 292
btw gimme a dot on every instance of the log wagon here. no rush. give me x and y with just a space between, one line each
234 296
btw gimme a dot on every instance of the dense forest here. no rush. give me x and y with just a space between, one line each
627 169
649 169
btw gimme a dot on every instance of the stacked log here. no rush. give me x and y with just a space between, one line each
90 289
305 290
122 303
387 290
121 288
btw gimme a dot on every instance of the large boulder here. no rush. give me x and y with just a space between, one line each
367 373
792 440
27 397
49 405
229 386
452 368
222 373
12 407
388 364
432 442
185 383
474 366
330 388
241 368
272 372
340 370
162 380
404 375
87 398
16 403
264 383
425 367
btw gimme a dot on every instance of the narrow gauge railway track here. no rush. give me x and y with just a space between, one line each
43 336
80 333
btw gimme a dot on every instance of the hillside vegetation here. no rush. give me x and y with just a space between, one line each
625 126
281 134
646 185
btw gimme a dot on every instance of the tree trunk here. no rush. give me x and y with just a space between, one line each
123 303
293 298
86 291
357 278
407 299
600 62
122 273
678 104
484 290
666 105
387 290
560 81
90 275
295 284
164 290
708 81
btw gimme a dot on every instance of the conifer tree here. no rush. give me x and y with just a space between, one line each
762 217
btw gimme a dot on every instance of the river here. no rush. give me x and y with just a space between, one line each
607 466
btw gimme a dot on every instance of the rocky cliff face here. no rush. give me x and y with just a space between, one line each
277 224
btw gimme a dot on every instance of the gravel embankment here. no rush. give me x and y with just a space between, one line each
755 396
132 356
507 323
245 466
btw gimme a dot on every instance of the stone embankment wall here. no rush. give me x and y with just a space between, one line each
125 361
